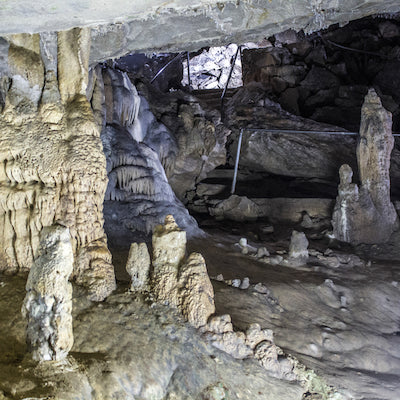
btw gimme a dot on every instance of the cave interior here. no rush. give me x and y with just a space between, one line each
276 151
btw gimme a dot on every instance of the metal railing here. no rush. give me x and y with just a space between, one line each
344 133
170 62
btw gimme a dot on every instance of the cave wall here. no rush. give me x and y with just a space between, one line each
318 76
52 165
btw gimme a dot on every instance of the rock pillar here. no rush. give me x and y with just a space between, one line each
52 165
178 282
365 214
48 302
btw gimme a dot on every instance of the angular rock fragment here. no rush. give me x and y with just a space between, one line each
48 302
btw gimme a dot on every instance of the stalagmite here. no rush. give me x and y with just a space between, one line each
48 302
298 248
364 213
138 266
178 282
169 248
196 291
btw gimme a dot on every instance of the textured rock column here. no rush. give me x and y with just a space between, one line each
374 149
52 164
48 302
138 267
169 248
365 214
178 282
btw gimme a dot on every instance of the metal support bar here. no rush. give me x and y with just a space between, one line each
237 161
345 133
164 67
230 74
188 68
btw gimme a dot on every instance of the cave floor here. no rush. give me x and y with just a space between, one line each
339 315
342 320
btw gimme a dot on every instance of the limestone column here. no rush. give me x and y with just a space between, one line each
365 214
48 303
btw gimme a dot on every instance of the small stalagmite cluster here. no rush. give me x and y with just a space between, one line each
364 213
173 279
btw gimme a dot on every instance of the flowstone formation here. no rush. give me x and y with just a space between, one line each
364 213
199 134
51 158
138 150
48 303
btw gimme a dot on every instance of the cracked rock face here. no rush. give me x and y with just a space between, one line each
51 158
181 24
48 303
365 214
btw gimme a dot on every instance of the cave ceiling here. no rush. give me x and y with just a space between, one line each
120 26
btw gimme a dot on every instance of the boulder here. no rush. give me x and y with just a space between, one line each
236 208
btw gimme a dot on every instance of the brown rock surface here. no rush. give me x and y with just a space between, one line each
53 171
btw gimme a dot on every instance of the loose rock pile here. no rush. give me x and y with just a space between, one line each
210 69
